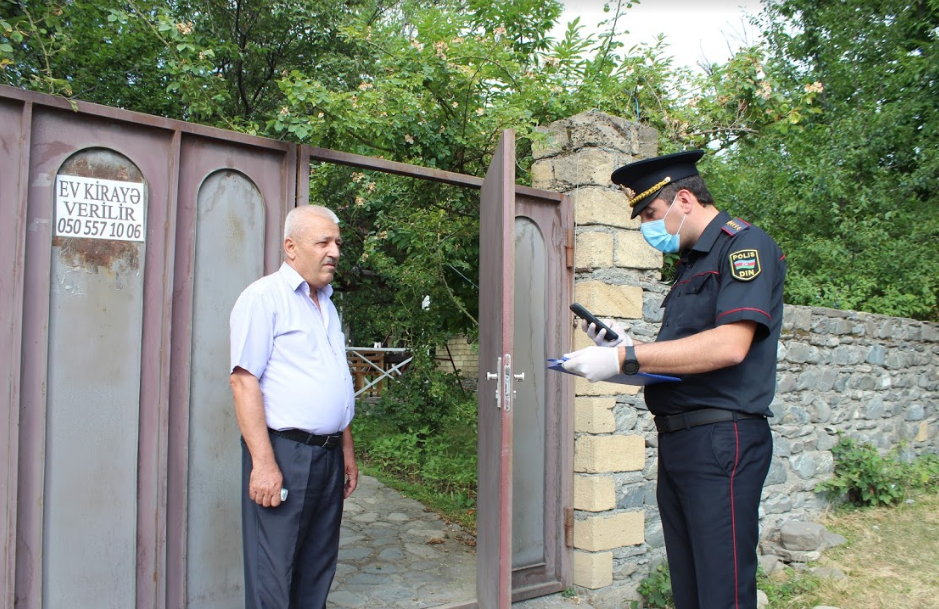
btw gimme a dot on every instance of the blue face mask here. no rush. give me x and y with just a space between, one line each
658 236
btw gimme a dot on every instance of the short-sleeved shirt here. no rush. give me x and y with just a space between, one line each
735 272
296 352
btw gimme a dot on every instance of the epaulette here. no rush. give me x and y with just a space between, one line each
735 226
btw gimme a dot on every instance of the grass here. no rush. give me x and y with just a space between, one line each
891 560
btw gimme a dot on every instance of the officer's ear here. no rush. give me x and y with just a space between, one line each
686 200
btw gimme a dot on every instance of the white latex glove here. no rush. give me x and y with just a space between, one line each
593 363
600 337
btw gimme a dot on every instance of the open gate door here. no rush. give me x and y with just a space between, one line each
496 335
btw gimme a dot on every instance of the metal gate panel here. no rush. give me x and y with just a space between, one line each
56 136
229 256
528 514
93 389
14 139
495 395
542 435
233 200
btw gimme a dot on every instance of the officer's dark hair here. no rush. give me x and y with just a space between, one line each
694 184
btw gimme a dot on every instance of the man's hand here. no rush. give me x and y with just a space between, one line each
352 479
264 485
593 363
600 337
351 468
265 481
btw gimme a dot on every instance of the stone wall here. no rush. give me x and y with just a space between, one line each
868 377
461 354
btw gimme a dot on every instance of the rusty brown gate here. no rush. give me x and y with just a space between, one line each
124 241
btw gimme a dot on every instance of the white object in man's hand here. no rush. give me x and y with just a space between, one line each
593 363
600 337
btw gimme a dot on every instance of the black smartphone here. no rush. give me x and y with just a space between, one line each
590 318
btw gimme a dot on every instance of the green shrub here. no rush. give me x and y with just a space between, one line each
656 590
865 478
424 398
925 472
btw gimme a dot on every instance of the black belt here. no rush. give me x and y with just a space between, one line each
686 420
297 435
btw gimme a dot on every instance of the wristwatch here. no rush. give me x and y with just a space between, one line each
630 364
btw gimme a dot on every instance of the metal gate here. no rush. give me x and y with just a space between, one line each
129 238
124 242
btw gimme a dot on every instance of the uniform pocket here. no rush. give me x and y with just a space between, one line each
692 304
699 283
725 446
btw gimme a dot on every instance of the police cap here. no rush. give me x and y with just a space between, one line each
642 180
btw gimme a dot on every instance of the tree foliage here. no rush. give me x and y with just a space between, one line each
851 192
821 133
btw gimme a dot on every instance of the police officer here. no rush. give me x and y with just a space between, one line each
719 335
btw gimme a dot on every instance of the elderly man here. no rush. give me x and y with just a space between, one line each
294 403
719 334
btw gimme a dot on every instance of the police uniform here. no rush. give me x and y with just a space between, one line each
715 444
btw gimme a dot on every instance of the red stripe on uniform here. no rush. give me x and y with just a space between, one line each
693 276
768 316
733 515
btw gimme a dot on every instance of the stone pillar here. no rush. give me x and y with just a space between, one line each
617 533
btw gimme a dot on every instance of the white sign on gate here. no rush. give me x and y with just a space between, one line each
95 208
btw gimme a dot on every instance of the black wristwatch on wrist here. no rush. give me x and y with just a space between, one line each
630 364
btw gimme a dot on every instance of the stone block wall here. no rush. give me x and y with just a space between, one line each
843 373
464 354
869 377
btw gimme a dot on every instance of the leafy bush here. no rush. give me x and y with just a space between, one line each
925 472
656 590
424 399
865 478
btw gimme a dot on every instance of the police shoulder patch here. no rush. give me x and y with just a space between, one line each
745 264
732 227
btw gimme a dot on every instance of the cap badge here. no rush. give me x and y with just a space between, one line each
633 198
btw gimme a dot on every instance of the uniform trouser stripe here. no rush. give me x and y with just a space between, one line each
709 487
733 515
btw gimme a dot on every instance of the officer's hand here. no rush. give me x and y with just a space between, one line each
600 337
593 363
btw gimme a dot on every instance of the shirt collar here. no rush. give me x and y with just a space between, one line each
294 280
712 230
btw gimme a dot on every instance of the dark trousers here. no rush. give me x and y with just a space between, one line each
709 486
290 551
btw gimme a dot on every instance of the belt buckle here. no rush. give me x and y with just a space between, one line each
330 441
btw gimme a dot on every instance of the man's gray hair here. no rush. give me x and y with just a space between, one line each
305 211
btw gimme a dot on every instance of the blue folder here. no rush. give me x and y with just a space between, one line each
640 379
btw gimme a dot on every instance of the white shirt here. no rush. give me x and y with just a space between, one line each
296 352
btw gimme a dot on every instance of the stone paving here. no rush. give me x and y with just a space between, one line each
394 554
